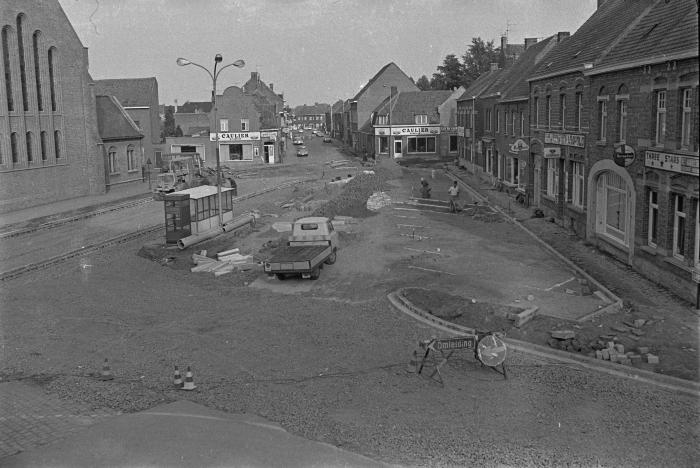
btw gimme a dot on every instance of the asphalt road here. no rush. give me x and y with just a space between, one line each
327 362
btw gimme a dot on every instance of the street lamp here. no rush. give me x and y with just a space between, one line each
217 60
391 143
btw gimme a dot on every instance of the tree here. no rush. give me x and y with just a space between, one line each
169 124
478 58
178 131
423 83
449 75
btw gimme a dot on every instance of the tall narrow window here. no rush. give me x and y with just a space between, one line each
562 111
622 124
57 144
245 125
8 71
552 177
548 111
112 160
37 71
660 117
513 119
653 226
223 125
22 67
130 161
579 111
30 153
686 117
498 121
42 138
678 227
52 80
537 112
577 182
14 147
522 123
602 119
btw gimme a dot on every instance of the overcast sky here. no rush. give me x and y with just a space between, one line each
311 50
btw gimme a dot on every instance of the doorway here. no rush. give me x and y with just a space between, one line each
397 148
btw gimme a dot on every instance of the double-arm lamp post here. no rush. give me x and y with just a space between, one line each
217 60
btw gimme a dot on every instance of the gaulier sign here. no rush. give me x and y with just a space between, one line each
243 136
423 130
518 146
623 155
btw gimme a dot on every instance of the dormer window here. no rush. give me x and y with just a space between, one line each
245 125
421 119
382 119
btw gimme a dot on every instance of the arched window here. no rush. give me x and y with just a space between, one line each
602 114
112 159
36 39
612 200
30 145
52 78
130 161
57 143
578 108
15 148
8 70
42 138
22 69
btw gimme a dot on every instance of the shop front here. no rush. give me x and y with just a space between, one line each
408 141
238 147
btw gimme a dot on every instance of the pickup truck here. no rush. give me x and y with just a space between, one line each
312 243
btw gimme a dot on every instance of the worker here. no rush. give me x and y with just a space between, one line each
454 195
424 188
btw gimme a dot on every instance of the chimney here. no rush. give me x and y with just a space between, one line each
254 76
272 87
561 35
504 43
494 66
529 42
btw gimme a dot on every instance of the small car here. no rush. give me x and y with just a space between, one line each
327 139
302 151
298 141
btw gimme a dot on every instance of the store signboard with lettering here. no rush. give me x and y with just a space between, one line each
552 152
416 130
672 162
242 136
566 139
381 131
268 135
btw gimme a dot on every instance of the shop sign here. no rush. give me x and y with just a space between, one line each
623 155
672 162
268 135
423 130
566 139
552 152
381 131
518 146
243 136
444 129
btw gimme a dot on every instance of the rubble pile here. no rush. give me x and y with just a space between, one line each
352 199
606 348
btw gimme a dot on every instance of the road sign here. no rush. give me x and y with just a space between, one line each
462 342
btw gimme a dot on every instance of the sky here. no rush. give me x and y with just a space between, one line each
313 51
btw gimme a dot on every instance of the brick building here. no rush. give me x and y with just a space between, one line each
49 143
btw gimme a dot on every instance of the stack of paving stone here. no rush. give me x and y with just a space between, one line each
615 352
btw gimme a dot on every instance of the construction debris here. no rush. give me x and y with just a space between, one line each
378 200
226 262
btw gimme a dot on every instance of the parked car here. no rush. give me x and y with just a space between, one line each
327 139
302 151
298 141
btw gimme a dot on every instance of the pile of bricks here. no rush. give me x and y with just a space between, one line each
612 351
615 352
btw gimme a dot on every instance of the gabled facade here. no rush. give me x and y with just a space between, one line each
123 149
408 124
139 98
49 143
368 98
311 117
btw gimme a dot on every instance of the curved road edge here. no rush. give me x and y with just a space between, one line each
618 370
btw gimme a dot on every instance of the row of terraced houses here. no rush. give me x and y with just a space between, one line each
597 130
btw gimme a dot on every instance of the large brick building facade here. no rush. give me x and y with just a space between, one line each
49 143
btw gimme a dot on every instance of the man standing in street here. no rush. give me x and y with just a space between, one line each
454 195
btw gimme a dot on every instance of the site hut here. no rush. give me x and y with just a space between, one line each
195 211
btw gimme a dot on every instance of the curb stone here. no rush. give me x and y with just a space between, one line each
618 370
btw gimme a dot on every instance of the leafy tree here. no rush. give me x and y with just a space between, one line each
169 124
423 83
178 131
478 58
449 75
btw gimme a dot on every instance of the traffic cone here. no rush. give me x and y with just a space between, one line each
177 380
106 373
189 381
413 363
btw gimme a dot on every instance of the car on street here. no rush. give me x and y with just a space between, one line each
327 139
298 141
302 151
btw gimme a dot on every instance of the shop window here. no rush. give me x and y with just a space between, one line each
653 226
421 144
453 143
612 192
130 158
577 184
553 177
384 145
678 227
112 159
686 117
660 131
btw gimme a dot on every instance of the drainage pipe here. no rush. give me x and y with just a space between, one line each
197 238
238 221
